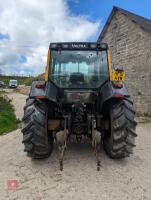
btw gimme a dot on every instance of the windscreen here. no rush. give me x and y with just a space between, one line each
78 69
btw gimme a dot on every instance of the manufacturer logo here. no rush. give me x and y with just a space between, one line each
82 46
12 184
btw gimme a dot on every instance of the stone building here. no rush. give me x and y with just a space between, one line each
129 38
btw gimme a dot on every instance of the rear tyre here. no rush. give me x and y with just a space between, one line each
37 143
120 140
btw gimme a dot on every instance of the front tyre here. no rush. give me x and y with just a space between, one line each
120 140
37 143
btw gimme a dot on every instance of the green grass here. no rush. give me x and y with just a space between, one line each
147 115
8 121
27 81
2 92
21 80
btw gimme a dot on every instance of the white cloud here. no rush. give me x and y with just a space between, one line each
32 25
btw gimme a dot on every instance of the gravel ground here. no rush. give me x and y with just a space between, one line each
41 180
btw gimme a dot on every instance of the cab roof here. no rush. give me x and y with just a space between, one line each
78 46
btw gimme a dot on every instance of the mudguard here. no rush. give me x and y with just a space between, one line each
48 91
108 91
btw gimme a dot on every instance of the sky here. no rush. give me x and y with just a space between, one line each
28 26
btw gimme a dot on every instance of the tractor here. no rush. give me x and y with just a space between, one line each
83 96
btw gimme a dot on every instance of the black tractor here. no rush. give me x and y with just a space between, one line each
82 97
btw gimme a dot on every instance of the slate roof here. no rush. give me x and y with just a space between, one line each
144 23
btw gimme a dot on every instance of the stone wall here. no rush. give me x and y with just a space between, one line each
130 47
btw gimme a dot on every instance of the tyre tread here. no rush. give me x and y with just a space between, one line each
33 128
122 141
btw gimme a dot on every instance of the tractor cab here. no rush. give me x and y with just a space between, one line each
78 65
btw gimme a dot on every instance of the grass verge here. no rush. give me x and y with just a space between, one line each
2 91
8 121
